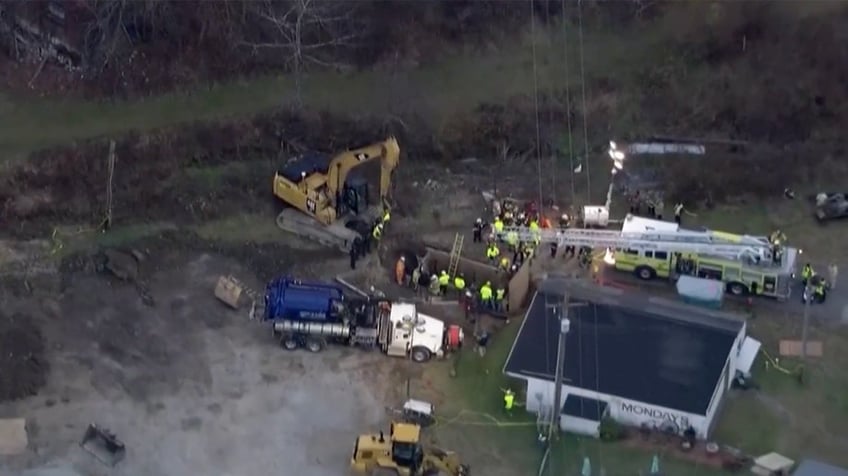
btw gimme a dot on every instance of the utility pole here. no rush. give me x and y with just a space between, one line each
808 298
560 312
110 176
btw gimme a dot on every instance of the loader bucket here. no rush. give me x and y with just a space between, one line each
229 291
103 445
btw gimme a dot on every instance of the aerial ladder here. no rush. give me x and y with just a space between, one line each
723 245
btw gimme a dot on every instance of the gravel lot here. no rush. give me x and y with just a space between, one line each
190 386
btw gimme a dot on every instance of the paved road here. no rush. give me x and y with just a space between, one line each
834 309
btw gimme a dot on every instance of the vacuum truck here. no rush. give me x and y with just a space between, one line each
314 315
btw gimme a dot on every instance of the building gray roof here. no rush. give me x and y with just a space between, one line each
811 467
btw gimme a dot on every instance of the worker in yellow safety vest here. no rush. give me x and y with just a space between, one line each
528 251
500 296
821 291
509 400
535 231
498 225
444 281
492 252
504 264
459 283
512 240
807 273
377 233
387 215
486 294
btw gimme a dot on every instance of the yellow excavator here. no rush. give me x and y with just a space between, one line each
401 454
328 203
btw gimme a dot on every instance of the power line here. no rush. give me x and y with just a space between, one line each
568 99
583 93
536 97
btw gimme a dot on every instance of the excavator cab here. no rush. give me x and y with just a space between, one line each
402 454
354 197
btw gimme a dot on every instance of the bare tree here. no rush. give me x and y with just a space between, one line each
301 33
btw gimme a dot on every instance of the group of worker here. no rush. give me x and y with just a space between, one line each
362 245
521 249
817 284
425 284
654 204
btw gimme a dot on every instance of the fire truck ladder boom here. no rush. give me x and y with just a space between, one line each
706 242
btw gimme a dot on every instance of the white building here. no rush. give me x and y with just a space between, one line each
636 359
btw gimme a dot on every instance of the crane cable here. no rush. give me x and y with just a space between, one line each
536 97
552 152
568 100
583 94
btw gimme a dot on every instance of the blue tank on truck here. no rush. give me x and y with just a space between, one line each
287 298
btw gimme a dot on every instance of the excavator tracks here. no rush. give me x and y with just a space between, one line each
333 236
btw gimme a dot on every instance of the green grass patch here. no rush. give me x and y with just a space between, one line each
437 92
748 424
69 240
246 228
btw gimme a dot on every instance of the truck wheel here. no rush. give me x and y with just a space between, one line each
314 345
737 289
645 273
420 354
288 342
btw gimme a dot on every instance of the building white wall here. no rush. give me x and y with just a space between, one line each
580 426
630 412
625 411
727 376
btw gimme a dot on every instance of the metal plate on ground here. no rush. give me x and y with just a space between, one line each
103 445
13 436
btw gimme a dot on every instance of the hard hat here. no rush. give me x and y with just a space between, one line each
488 283
444 272
479 220
403 258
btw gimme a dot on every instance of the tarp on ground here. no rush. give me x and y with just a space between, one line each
701 291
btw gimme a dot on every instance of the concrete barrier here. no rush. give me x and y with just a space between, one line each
477 272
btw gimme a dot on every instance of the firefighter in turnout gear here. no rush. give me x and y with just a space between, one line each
820 291
377 232
478 230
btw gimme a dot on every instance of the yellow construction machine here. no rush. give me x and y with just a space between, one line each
329 204
401 454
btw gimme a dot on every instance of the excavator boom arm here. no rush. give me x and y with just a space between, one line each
388 152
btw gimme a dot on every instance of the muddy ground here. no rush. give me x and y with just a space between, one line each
180 376
188 380
177 375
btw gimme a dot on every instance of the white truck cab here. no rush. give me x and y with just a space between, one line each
416 335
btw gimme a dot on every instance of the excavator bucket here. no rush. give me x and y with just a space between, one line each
103 445
229 291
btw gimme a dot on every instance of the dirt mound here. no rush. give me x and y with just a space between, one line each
23 364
